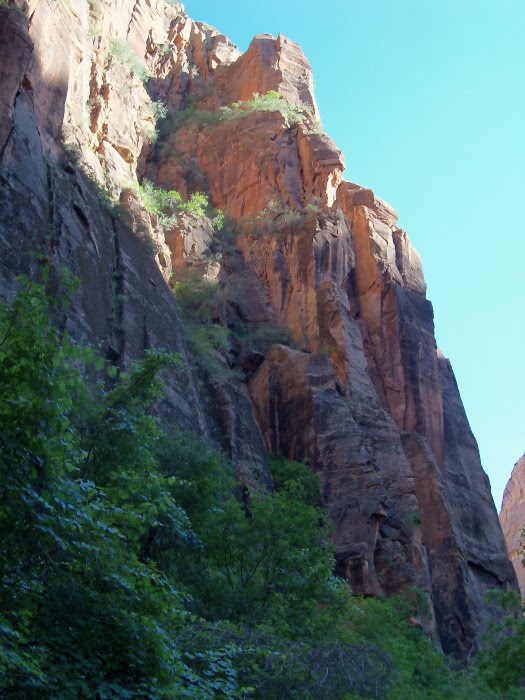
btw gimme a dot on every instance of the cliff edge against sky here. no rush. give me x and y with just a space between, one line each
512 519
358 388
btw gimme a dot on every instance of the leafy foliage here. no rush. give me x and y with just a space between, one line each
123 52
160 111
134 565
298 476
501 662
158 201
208 338
272 101
278 217
167 204
86 611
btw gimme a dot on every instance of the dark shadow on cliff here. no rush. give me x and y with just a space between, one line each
54 211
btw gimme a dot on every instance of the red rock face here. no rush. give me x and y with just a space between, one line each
271 64
512 519
248 162
364 395
303 415
376 411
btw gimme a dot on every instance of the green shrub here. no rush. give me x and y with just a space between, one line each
135 565
501 660
272 101
191 115
261 336
298 476
123 52
197 204
159 201
226 239
168 204
278 218
89 607
160 111
207 337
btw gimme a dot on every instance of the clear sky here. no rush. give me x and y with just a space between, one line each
427 100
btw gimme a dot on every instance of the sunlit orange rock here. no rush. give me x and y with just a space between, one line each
512 518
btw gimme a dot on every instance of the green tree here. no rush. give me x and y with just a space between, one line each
135 565
501 659
86 610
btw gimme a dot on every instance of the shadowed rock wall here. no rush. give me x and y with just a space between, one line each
363 394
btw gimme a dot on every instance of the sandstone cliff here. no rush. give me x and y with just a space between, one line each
512 519
361 391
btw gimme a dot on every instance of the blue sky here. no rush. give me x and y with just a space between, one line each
427 100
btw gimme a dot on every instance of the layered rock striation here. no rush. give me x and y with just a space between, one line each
512 519
361 391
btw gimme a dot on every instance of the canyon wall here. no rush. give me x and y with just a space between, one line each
512 519
359 389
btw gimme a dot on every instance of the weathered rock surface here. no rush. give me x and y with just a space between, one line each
364 394
367 482
271 64
512 519
15 52
75 121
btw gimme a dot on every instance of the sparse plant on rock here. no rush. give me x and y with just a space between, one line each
209 339
278 218
160 111
338 215
123 52
272 101
168 204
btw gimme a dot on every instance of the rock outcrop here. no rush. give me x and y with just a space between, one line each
360 392
512 519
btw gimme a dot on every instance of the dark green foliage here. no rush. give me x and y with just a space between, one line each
265 559
298 476
208 338
277 668
85 609
502 660
133 564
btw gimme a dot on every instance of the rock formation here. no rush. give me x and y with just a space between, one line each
361 392
512 519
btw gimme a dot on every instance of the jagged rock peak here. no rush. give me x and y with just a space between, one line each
273 64
512 518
